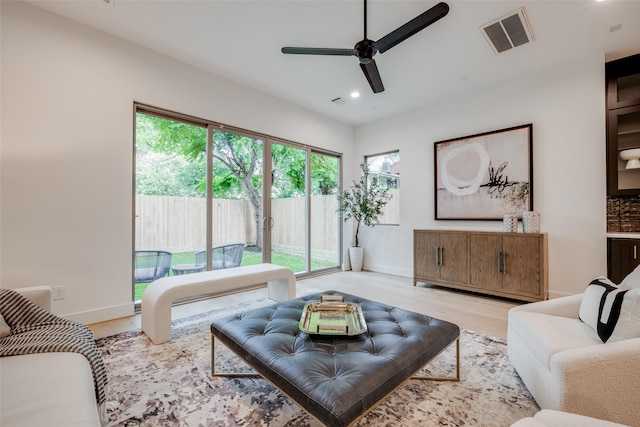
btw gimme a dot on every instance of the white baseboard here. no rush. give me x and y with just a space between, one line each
102 314
389 269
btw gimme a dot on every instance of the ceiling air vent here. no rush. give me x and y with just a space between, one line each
339 101
508 31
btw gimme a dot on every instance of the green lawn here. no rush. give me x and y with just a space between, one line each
294 262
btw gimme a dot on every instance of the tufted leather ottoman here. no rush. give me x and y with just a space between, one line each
335 379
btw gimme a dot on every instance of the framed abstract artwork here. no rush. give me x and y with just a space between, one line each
484 176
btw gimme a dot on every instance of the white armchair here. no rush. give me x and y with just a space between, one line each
567 367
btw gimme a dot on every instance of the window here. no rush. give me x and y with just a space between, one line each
386 168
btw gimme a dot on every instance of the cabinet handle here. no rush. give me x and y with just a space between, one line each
441 256
635 254
504 263
437 255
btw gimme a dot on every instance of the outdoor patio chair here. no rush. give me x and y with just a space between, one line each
223 256
151 265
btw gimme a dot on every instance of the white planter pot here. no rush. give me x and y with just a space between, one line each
346 264
356 255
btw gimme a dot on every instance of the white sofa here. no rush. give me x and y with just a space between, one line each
567 367
551 418
46 389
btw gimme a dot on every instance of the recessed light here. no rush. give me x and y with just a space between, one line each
355 94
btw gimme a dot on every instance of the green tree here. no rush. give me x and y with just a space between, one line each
161 168
171 160
324 174
241 165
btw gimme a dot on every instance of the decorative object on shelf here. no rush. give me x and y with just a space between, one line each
510 223
484 176
531 222
363 201
632 157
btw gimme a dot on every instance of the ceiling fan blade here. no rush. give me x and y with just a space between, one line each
370 70
410 28
319 51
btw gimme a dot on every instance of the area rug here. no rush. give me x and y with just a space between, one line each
171 385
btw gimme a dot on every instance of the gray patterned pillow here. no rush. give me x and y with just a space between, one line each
4 328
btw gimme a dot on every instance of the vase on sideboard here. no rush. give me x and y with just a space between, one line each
510 223
531 222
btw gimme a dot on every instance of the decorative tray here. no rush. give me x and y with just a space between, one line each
332 316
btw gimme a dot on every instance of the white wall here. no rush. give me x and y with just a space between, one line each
567 108
67 150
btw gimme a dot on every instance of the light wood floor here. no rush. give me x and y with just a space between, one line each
470 311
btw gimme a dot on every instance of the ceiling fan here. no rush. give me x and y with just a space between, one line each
365 49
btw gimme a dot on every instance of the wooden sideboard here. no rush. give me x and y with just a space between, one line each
509 265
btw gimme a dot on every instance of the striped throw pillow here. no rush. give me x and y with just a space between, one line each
613 312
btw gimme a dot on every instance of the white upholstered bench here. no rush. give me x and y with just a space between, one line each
159 296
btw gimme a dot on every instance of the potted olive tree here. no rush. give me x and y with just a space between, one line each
363 201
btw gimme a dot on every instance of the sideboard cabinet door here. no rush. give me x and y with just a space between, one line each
485 258
523 265
453 257
426 264
440 256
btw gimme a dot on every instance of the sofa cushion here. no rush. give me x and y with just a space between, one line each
546 335
47 389
552 418
611 311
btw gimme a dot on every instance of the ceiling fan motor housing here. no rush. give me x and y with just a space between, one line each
366 50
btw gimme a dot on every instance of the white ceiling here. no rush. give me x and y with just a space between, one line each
241 40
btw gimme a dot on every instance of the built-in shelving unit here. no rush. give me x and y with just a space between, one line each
623 166
623 126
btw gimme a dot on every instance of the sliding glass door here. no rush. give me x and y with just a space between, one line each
209 196
288 222
325 224
170 203
237 194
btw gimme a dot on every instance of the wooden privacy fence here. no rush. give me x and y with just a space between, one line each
178 224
